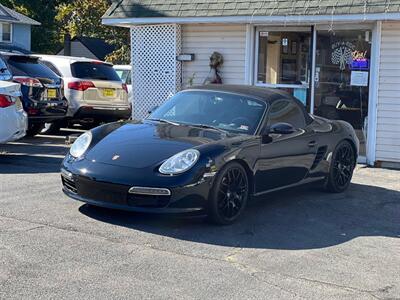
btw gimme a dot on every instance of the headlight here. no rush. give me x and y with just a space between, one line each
180 162
81 144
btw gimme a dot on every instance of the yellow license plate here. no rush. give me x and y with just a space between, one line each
109 93
51 93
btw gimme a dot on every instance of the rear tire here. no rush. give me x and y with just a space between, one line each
34 129
52 128
229 194
341 169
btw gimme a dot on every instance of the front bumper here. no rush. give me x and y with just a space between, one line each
190 198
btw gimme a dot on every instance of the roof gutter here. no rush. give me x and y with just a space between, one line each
308 19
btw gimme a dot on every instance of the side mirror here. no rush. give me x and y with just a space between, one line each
151 110
282 128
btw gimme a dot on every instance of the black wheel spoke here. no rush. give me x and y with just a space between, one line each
342 165
232 191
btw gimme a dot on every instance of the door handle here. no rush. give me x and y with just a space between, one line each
312 144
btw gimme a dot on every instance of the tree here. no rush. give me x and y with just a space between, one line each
76 17
45 37
83 18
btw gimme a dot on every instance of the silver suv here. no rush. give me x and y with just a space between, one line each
93 89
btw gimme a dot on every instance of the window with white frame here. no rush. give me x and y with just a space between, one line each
5 32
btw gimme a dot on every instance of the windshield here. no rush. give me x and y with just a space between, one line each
94 70
226 111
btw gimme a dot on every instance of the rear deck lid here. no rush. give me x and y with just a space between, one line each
10 89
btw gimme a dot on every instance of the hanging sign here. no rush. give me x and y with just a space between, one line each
360 61
360 64
263 33
359 78
342 54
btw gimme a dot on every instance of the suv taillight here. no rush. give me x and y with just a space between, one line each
80 85
28 81
5 101
125 87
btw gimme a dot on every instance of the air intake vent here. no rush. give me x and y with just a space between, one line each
69 184
320 155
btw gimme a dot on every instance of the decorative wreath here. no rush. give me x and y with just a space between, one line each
216 60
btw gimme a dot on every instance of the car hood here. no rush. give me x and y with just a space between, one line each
147 143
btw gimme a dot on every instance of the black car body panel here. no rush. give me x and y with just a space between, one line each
42 98
128 154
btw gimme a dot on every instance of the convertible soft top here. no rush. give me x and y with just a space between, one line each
266 94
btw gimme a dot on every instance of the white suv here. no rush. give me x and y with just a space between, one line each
94 91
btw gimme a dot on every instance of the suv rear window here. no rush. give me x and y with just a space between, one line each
94 70
4 71
29 66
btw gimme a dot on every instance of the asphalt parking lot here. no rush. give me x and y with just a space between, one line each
298 244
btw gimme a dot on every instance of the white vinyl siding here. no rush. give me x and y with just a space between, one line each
388 108
202 40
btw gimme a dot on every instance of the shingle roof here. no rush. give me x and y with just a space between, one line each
211 8
9 15
97 46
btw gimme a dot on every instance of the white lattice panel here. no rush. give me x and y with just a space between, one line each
156 72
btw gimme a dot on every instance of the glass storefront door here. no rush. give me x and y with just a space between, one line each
283 60
342 78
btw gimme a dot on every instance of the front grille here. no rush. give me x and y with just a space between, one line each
69 185
102 191
144 201
112 193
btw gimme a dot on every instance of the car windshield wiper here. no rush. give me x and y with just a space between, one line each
165 121
207 127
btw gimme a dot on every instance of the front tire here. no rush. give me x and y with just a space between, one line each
229 194
341 169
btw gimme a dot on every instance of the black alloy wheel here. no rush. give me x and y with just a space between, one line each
229 194
342 167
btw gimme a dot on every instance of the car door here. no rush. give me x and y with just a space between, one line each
285 157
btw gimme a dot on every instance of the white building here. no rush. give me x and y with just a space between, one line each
340 58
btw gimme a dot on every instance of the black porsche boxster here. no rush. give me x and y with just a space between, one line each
208 149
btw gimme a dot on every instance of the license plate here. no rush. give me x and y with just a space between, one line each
109 93
51 93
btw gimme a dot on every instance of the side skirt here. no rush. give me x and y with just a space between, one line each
305 181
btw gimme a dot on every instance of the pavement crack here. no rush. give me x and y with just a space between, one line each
253 272
230 258
111 240
335 285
